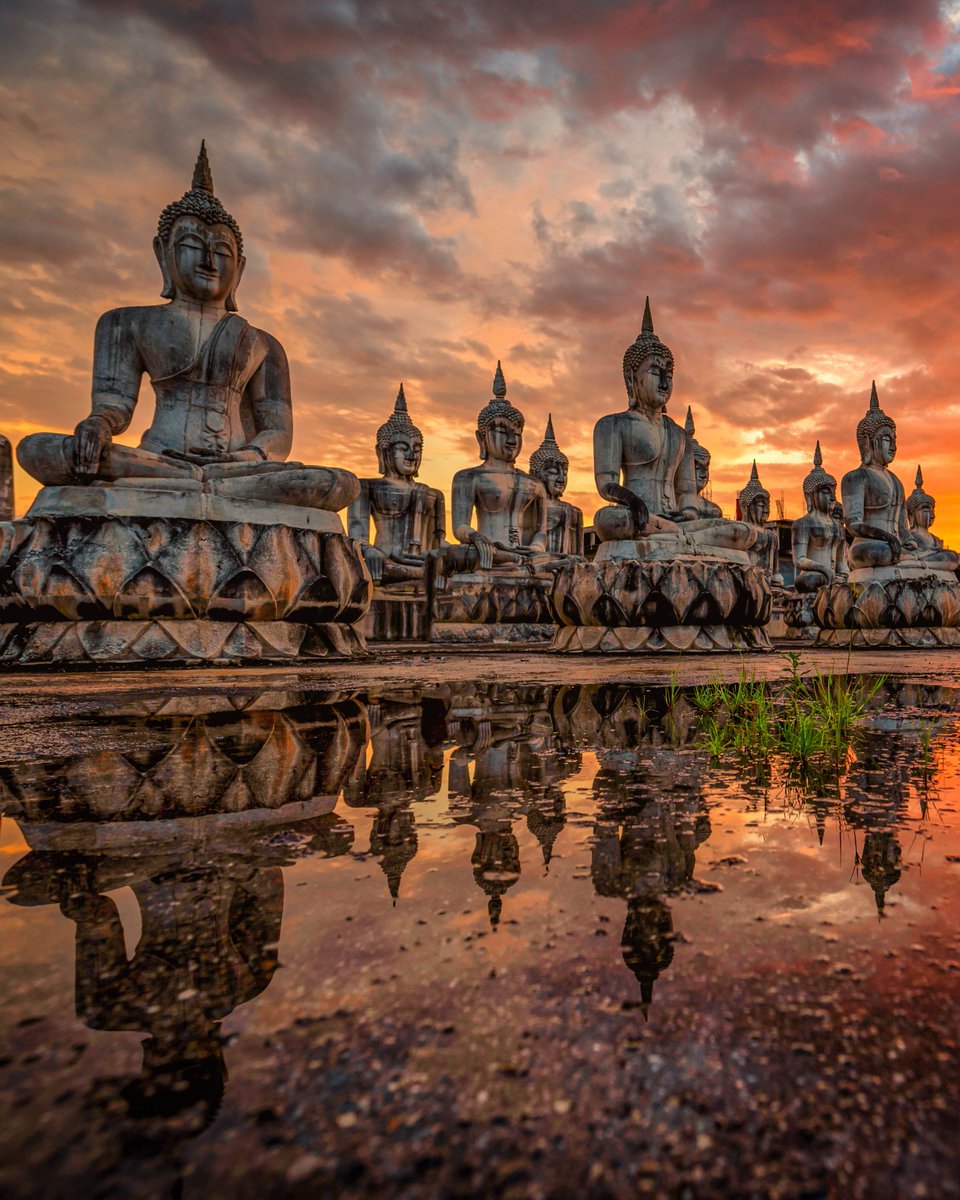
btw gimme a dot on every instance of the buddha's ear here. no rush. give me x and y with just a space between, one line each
231 301
482 443
381 460
160 250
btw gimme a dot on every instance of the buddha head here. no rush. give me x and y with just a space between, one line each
499 425
701 456
755 500
199 245
399 443
648 369
876 435
549 464
920 505
819 488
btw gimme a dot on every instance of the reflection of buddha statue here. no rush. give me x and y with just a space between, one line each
920 516
644 465
880 863
222 423
549 464
755 507
409 518
701 467
817 538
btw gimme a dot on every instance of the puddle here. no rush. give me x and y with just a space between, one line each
476 940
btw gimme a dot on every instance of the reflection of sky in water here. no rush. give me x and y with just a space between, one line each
535 871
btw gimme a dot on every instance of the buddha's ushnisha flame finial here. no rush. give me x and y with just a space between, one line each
919 479
874 398
549 436
817 455
688 426
646 325
202 176
817 477
700 453
499 383
400 406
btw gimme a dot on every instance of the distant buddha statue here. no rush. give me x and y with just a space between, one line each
920 516
644 464
222 422
549 464
873 503
701 467
409 518
755 507
817 538
499 511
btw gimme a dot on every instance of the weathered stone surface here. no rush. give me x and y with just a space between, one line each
890 607
683 605
398 613
6 479
500 604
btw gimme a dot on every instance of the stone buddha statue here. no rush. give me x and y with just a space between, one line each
920 516
817 538
644 465
409 518
499 511
222 424
6 479
701 468
550 465
755 507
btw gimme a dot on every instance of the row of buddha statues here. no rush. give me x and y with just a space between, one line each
204 543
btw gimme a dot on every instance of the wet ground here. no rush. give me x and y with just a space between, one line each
442 932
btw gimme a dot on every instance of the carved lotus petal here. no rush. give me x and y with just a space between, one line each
244 596
148 594
911 600
948 603
869 607
630 587
680 588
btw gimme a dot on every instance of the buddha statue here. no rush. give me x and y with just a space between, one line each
817 538
222 423
644 465
874 507
701 467
755 507
409 518
508 506
6 479
920 516
550 465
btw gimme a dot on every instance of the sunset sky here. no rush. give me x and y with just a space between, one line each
424 188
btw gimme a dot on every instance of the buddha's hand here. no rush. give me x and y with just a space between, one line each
485 548
374 559
683 514
410 560
910 543
209 458
90 438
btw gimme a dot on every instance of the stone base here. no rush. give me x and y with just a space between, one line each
688 605
398 613
888 639
493 599
173 643
671 639
490 633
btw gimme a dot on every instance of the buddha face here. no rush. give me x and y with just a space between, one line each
823 499
884 447
702 469
402 460
923 516
652 384
501 441
758 510
202 260
553 476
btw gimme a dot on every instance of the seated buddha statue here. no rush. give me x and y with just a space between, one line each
499 511
920 516
701 467
409 518
550 465
873 503
644 465
755 507
818 543
222 422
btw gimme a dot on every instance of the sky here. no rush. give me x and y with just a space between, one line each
427 187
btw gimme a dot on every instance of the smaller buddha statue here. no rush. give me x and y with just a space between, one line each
920 516
499 511
409 518
701 467
550 465
755 507
817 538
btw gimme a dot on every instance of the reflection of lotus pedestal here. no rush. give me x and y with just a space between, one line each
481 607
122 575
688 604
890 608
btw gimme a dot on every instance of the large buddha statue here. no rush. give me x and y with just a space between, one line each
755 507
409 518
920 516
222 423
701 467
644 465
817 537
550 465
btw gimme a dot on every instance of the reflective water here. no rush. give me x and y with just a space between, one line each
474 940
